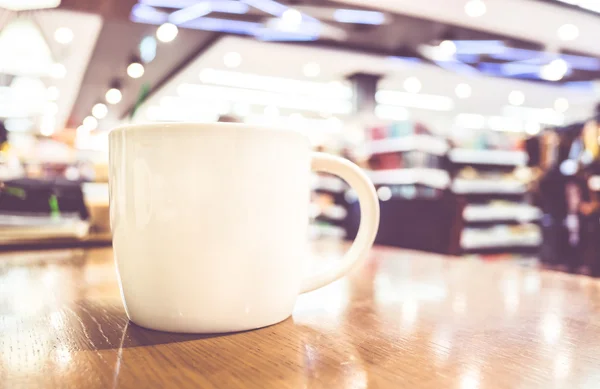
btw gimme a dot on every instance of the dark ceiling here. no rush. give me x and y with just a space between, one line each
111 9
571 6
401 36
117 42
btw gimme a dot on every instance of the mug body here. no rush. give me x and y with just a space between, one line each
209 224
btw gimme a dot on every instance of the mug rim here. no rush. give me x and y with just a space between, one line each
202 126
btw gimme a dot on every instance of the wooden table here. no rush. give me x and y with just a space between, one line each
403 320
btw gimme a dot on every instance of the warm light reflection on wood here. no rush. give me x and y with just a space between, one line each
403 320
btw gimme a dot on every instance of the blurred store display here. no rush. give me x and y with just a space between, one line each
408 165
488 168
567 165
461 130
329 205
34 210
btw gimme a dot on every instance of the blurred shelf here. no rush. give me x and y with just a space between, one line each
26 220
488 186
502 244
41 230
594 183
426 143
474 239
328 184
92 240
488 157
7 173
323 230
332 212
436 178
498 222
95 192
530 250
497 213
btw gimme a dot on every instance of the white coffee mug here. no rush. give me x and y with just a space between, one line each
210 223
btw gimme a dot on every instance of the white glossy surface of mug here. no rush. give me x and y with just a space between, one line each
210 223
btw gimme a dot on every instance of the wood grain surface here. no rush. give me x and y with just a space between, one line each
403 320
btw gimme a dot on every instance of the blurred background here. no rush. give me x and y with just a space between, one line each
475 119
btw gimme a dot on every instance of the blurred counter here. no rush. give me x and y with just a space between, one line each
52 213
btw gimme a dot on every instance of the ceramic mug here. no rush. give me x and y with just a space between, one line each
210 223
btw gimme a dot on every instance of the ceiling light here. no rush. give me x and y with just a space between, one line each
448 48
271 110
178 114
273 30
561 105
58 70
51 108
412 85
53 93
516 98
291 17
18 124
223 107
532 128
63 35
47 125
193 12
289 100
540 115
591 5
463 91
90 123
475 8
421 101
560 65
334 123
229 6
213 104
25 5
568 167
568 32
470 120
390 112
24 48
148 49
26 96
99 111
135 70
311 69
504 123
358 16
268 6
308 126
167 32
336 84
147 13
241 109
331 90
113 96
296 117
555 70
153 112
232 59
384 193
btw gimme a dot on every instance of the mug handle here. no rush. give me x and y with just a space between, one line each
369 217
